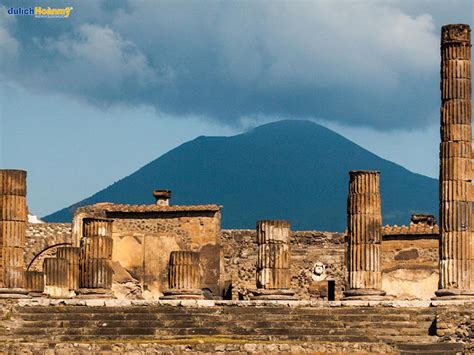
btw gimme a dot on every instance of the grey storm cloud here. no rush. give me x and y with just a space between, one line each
359 63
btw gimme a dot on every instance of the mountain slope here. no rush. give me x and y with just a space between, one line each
295 170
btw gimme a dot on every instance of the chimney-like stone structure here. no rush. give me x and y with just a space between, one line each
273 274
13 218
364 227
95 271
184 276
162 197
456 267
71 254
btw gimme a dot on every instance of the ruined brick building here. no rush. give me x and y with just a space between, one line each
156 277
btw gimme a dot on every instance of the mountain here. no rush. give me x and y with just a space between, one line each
296 170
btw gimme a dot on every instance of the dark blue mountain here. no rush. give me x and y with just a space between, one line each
296 170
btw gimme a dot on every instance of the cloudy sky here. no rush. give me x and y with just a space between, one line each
86 100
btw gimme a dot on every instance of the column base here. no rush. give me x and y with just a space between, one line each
453 294
35 294
365 294
13 293
183 294
94 293
262 294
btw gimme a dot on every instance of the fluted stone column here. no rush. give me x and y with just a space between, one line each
95 271
184 276
364 219
71 254
273 274
455 209
34 283
56 278
13 218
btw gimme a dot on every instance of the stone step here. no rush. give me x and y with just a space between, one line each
223 329
68 323
316 333
433 348
311 324
254 317
226 310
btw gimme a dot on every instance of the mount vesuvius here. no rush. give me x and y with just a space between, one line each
295 170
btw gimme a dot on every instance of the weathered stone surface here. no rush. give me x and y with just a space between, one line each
409 254
456 112
41 238
56 278
457 239
274 231
97 227
12 182
95 273
184 270
34 281
273 278
13 217
12 234
455 216
96 247
276 256
275 326
364 233
145 235
455 191
71 254
273 262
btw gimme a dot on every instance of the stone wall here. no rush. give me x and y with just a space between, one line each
240 255
410 266
409 262
41 240
142 245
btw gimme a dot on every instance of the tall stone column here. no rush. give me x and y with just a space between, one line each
364 227
456 267
273 272
184 276
95 271
13 218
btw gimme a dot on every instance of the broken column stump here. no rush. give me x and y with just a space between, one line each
273 274
71 254
34 283
13 218
95 271
364 218
56 278
456 266
184 276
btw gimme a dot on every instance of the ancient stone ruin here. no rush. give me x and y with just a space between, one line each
364 219
166 278
455 207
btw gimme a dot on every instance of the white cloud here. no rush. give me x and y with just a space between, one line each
371 62
97 57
